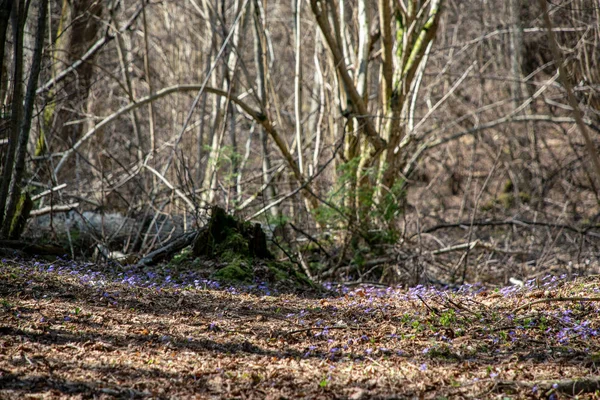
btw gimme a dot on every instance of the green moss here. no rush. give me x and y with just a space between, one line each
233 242
488 205
525 197
183 256
223 233
24 207
278 272
303 279
284 273
242 248
507 200
40 144
236 271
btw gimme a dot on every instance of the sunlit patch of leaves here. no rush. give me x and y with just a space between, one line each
364 331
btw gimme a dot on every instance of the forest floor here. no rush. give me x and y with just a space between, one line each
72 330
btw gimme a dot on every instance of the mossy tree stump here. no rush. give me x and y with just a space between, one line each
225 234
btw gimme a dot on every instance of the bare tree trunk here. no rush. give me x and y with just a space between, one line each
232 66
225 118
413 44
387 44
296 6
79 27
18 16
149 80
124 57
207 171
317 106
260 61
362 186
5 9
516 47
25 125
375 154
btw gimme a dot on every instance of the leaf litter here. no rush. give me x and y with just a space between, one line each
75 330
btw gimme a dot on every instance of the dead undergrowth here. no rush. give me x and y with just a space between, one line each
73 331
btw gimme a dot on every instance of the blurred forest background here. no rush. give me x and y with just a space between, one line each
406 141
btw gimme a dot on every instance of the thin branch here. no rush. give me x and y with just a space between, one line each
304 185
53 209
49 191
582 231
513 115
476 244
338 59
96 47
170 186
567 386
591 148
256 115
311 238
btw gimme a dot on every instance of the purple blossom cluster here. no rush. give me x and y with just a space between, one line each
573 328
91 275
365 299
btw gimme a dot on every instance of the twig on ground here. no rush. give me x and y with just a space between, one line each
427 305
459 306
567 386
474 244
557 299
320 329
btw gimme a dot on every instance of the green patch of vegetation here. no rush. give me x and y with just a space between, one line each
182 257
506 201
6 304
447 318
406 319
442 351
235 271
24 207
241 250
234 242
355 201
418 326
284 273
